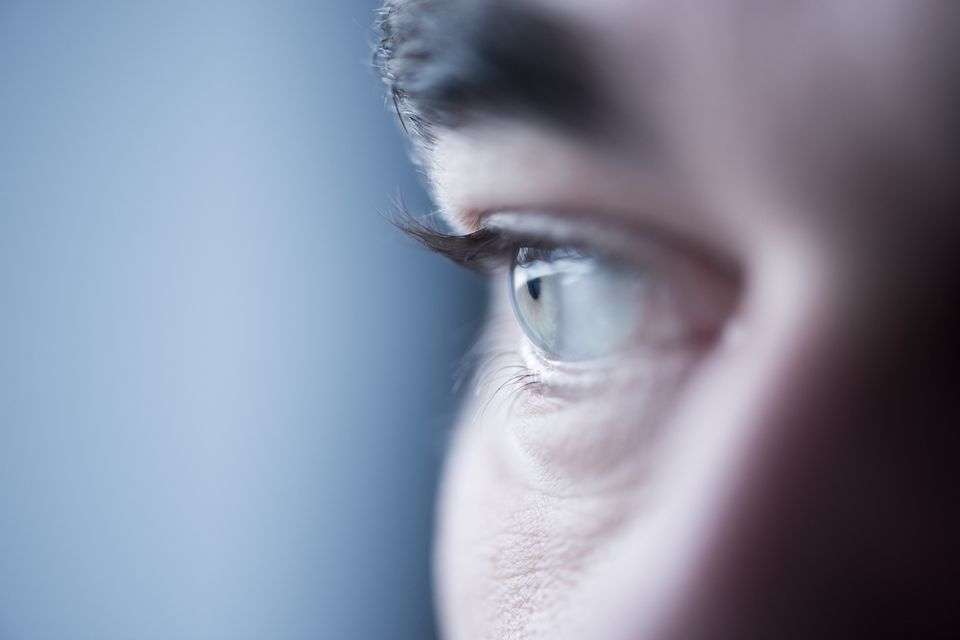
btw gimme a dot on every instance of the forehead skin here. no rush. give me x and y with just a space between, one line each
825 105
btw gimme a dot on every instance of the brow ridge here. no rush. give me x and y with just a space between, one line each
448 63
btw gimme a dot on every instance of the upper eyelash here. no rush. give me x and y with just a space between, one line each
485 250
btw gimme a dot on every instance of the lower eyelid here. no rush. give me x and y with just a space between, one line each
609 408
609 413
573 381
583 433
570 379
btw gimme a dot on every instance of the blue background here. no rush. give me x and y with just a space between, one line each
224 379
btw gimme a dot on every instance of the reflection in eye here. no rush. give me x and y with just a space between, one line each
573 306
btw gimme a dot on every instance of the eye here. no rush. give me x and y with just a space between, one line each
574 306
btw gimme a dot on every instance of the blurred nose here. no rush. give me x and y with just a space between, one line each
844 521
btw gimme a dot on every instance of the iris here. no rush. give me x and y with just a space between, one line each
574 306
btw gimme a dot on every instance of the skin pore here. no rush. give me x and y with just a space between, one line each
777 177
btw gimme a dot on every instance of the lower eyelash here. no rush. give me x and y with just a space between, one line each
515 387
494 370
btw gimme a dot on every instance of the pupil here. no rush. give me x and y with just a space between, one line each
533 286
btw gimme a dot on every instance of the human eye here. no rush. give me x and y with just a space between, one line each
575 305
581 293
594 331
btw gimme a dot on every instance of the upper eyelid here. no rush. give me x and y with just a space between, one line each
502 233
494 244
631 242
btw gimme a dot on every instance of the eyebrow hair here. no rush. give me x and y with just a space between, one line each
449 62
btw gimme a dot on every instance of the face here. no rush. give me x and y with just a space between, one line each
714 397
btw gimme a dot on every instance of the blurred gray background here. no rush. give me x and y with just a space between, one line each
224 379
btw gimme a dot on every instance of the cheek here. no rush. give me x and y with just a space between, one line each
576 431
511 552
534 490
538 482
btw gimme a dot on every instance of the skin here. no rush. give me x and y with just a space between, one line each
794 477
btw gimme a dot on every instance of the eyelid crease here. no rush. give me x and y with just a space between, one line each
556 230
629 244
493 246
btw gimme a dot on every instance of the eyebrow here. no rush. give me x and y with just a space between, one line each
447 63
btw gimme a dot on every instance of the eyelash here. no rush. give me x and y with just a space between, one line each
492 368
484 251
512 378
